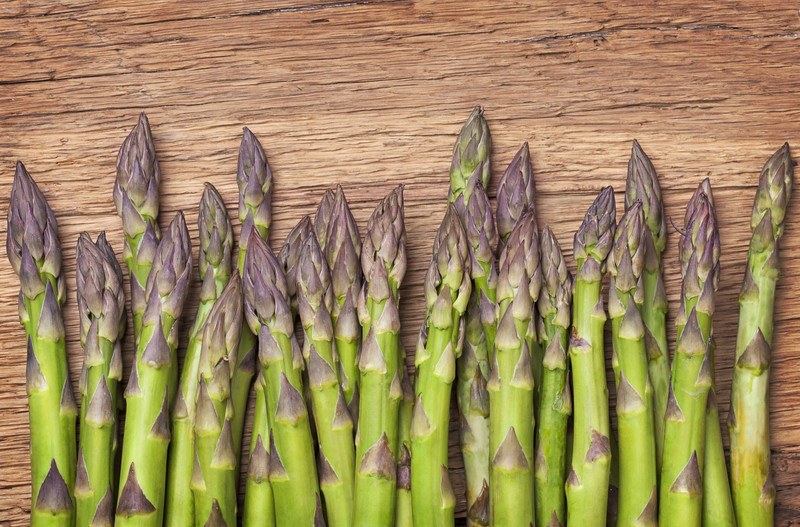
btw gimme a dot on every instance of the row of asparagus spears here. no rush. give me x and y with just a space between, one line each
339 433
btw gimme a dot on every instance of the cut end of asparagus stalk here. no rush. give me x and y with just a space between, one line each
774 191
385 242
516 192
596 234
642 184
136 193
471 153
254 178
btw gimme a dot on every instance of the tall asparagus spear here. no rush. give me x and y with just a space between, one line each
136 198
447 291
555 403
642 184
383 262
292 471
254 179
333 422
216 245
681 489
289 256
635 416
471 154
511 381
35 254
343 252
214 481
101 308
475 212
153 382
588 477
515 194
748 419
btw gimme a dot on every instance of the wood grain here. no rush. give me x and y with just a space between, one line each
371 94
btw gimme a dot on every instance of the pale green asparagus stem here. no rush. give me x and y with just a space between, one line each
588 477
404 507
259 504
34 251
101 307
216 245
153 382
748 419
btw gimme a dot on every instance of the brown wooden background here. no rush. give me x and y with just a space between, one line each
371 94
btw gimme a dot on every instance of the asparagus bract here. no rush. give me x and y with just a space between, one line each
214 481
681 489
635 416
216 245
333 422
136 197
555 403
475 212
254 179
447 291
588 477
642 184
292 470
515 194
101 309
383 262
748 419
35 254
511 382
153 382
471 154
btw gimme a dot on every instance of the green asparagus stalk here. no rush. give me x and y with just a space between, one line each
254 179
447 290
333 422
343 252
259 504
292 471
471 154
214 481
515 194
101 309
642 184
404 507
216 244
748 419
472 366
635 416
153 383
383 262
136 198
681 489
588 477
35 254
555 404
511 381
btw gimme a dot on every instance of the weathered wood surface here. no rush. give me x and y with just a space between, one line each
371 94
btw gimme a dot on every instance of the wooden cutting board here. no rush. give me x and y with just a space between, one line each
371 94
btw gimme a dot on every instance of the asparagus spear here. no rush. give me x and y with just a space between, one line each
292 471
333 422
473 365
136 198
259 504
447 291
254 179
681 489
555 403
642 184
35 254
635 416
322 218
153 382
515 194
748 419
471 154
383 262
216 244
588 477
343 251
511 381
289 256
101 309
404 506
214 480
